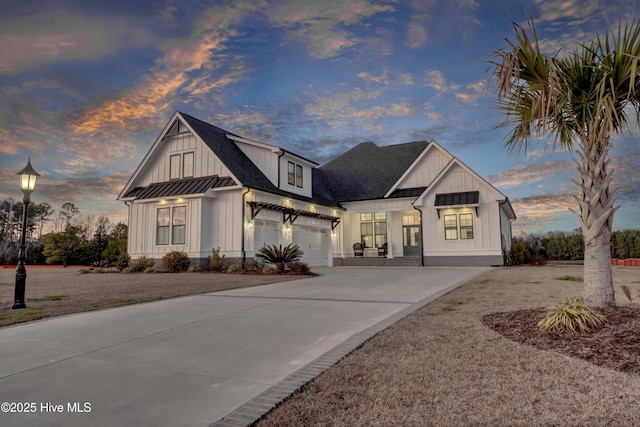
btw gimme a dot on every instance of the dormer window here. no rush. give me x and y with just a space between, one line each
187 165
295 174
181 166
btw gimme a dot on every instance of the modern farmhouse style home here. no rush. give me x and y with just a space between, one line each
200 187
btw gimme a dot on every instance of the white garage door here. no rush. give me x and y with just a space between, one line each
265 233
314 242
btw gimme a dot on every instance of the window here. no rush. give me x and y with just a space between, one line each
174 166
178 225
162 226
298 176
187 165
171 222
181 166
381 233
366 234
411 220
466 226
373 229
294 174
450 227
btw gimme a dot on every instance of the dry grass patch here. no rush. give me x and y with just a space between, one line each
54 292
442 367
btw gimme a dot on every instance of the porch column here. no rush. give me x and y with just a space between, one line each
389 236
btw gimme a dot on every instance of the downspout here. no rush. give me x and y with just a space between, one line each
421 235
502 242
242 251
128 224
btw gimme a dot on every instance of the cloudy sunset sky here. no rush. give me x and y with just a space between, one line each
87 86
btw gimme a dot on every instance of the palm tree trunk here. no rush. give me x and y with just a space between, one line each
595 201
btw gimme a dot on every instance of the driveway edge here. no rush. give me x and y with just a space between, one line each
261 405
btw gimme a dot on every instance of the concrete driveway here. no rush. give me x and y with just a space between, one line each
222 358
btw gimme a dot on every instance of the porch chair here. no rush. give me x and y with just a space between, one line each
382 250
358 250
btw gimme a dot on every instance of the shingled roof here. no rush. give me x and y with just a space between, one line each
239 164
366 171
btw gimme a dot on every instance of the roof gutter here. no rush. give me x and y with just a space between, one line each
242 251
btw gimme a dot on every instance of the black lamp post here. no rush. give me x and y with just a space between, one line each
28 177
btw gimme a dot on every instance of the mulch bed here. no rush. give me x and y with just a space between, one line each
615 346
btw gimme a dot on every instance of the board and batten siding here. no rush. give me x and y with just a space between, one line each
426 170
206 163
505 222
266 160
143 224
486 224
225 217
211 223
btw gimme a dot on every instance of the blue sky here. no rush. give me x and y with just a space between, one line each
87 87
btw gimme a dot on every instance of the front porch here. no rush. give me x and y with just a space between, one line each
407 261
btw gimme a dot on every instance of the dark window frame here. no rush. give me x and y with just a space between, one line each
450 227
466 231
164 237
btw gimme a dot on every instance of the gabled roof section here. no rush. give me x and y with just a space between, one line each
456 162
229 153
183 187
367 171
247 173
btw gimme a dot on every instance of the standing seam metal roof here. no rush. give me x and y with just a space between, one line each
181 187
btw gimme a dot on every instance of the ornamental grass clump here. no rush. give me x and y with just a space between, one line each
572 315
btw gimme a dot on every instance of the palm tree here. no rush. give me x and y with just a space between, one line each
580 100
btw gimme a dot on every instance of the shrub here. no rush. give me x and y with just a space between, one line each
269 269
193 269
141 264
83 271
150 270
278 255
127 270
571 315
253 266
234 268
123 261
519 253
216 261
100 270
175 261
297 267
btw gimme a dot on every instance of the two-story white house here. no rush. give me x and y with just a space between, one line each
200 187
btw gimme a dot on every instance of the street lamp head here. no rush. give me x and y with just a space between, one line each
28 177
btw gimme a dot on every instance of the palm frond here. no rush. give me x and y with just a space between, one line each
580 95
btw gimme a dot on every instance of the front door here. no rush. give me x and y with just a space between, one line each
411 240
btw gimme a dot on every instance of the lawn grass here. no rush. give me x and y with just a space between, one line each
55 292
442 366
